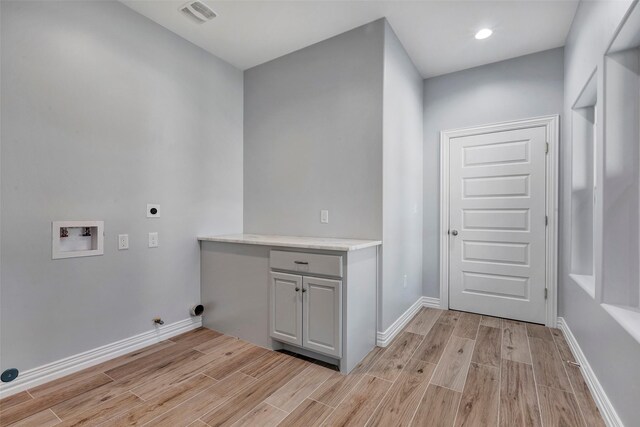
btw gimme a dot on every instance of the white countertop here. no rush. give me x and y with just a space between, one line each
324 243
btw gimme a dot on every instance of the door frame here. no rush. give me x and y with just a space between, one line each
551 125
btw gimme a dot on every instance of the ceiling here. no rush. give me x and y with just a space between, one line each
438 35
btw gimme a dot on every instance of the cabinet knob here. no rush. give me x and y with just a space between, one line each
297 289
304 290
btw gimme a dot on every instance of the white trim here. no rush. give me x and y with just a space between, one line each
51 371
599 396
627 317
385 338
551 123
431 302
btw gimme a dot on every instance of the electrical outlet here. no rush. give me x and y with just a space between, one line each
324 216
153 240
123 241
153 210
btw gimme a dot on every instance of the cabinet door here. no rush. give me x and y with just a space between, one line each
286 308
322 301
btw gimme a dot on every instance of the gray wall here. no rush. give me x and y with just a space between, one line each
99 117
612 352
313 139
519 88
338 126
402 182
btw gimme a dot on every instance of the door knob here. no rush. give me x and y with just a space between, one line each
454 232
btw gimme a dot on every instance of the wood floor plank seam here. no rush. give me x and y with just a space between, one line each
177 406
377 406
31 407
182 404
455 419
314 390
431 379
361 369
500 363
346 395
419 400
448 340
317 401
242 421
130 391
424 337
299 382
480 401
339 411
404 368
415 411
389 390
439 360
564 366
333 409
87 409
467 364
54 414
268 382
535 381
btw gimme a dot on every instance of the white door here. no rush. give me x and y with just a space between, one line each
322 301
497 224
286 308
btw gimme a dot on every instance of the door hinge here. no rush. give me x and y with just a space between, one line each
546 293
546 148
546 220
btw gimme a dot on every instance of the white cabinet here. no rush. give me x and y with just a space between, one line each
307 312
322 314
286 308
319 303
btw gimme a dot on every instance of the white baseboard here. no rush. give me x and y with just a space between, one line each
431 302
384 338
604 404
51 371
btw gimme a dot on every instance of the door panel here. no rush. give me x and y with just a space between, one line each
496 252
322 302
497 153
497 285
497 207
495 219
286 308
496 186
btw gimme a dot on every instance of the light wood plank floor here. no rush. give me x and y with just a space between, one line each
446 368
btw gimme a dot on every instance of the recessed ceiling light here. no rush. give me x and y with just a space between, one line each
483 34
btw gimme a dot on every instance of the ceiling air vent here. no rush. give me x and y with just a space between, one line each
198 11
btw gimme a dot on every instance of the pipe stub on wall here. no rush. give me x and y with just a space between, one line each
9 375
197 310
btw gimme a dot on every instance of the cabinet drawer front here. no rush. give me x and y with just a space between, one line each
328 265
